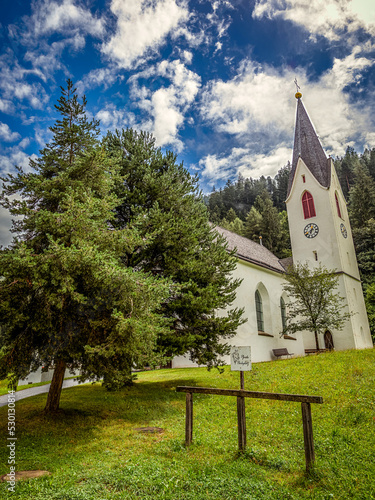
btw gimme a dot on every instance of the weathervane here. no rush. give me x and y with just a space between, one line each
298 94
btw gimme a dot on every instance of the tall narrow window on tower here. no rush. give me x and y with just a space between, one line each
338 206
308 205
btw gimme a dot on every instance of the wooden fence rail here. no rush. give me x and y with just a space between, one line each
241 417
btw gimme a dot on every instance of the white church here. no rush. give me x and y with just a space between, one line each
320 233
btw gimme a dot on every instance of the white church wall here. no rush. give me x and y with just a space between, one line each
269 283
44 376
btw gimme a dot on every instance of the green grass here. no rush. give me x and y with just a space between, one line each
94 452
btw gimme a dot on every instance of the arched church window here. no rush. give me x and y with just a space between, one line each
338 206
283 312
308 205
259 310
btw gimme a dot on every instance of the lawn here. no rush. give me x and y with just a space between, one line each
94 451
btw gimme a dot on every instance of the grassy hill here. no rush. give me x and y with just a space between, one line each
94 451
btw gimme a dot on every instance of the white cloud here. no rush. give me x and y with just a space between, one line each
255 99
142 27
6 106
5 225
68 18
167 106
15 157
6 134
14 86
321 17
99 77
243 161
258 105
112 118
67 15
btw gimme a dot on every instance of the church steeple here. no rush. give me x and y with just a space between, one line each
308 147
320 230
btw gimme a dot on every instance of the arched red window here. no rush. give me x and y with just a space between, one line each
338 206
308 205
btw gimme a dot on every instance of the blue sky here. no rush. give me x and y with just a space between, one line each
211 79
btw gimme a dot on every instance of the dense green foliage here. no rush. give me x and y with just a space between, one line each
66 297
162 199
359 171
96 453
255 208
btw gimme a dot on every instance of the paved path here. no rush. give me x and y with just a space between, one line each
33 391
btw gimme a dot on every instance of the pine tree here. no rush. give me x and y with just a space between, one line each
362 198
231 215
281 189
253 225
345 168
67 300
370 306
236 226
166 201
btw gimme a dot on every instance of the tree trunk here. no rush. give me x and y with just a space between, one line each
316 340
53 399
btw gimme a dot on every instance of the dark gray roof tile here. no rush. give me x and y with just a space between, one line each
250 251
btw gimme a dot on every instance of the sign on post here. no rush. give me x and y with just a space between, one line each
240 358
240 361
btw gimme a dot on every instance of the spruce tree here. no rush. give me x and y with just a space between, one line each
67 299
362 198
253 225
345 168
165 200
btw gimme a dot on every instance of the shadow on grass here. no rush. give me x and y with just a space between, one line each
89 415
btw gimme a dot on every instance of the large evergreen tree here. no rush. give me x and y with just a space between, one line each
67 299
164 199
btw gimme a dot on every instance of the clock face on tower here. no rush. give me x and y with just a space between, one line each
311 230
344 232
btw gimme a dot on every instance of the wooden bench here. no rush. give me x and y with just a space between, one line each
315 351
281 352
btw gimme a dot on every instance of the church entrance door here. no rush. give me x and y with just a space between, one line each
328 340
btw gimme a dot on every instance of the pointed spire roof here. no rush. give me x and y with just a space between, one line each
308 147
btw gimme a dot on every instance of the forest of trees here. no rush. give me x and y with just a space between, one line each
256 208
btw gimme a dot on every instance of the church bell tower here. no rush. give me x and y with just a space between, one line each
320 230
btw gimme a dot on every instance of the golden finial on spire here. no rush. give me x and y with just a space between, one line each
298 94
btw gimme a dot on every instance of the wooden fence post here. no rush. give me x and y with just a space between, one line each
308 435
189 419
241 418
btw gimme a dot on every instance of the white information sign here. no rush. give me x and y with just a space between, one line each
240 358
